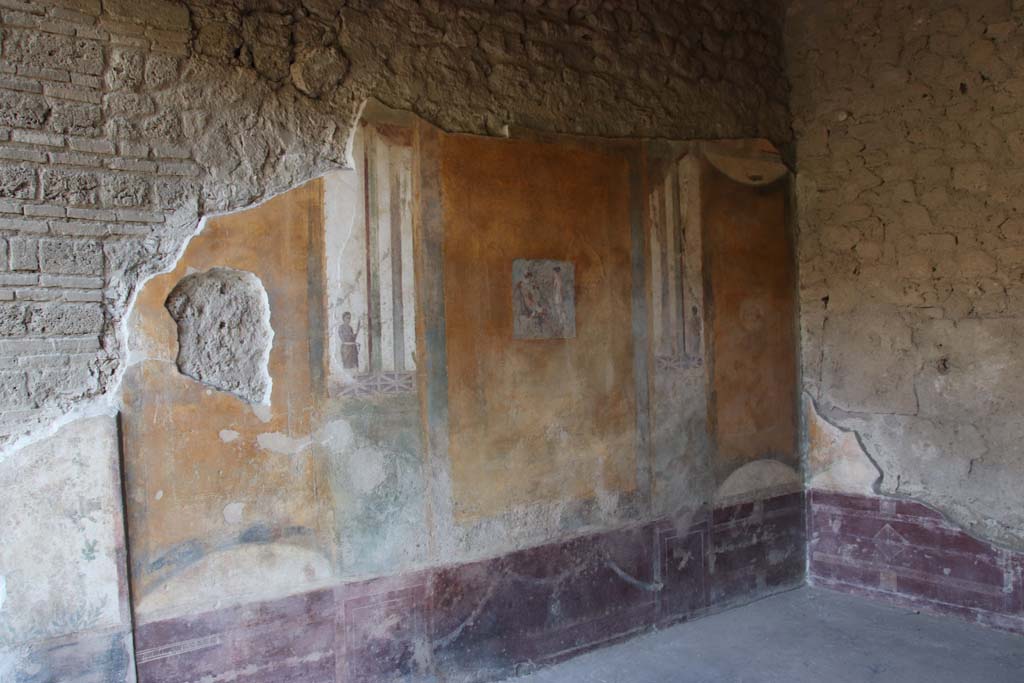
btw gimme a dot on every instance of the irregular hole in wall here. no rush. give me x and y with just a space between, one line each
224 332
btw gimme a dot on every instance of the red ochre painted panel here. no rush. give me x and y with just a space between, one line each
906 553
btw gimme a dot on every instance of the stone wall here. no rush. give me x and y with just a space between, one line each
122 123
911 250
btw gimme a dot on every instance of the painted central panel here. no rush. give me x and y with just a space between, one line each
541 394
543 299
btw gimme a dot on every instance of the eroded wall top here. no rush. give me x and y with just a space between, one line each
121 123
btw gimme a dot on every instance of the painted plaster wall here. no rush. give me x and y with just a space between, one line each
223 495
122 123
721 280
372 424
909 134
752 322
231 502
678 388
525 413
62 560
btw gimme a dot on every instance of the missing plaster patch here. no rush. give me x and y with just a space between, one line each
228 435
224 332
276 442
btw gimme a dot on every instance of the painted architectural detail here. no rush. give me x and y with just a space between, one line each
910 554
675 252
543 299
750 276
371 285
889 543
373 384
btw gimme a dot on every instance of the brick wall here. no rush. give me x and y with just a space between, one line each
80 200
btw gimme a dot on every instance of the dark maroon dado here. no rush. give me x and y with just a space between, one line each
910 554
494 618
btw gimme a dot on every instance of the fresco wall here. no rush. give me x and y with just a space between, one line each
541 390
64 616
748 254
215 484
487 381
680 484
123 124
481 347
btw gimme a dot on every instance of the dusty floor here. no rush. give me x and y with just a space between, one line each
808 635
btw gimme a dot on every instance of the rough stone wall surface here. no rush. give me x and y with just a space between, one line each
123 122
911 242
224 332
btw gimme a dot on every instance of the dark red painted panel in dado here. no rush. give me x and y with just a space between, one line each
905 552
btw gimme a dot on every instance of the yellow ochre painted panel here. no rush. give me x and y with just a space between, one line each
191 451
536 420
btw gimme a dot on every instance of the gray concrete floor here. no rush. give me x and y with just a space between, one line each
807 635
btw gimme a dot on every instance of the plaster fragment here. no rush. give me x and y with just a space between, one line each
836 459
